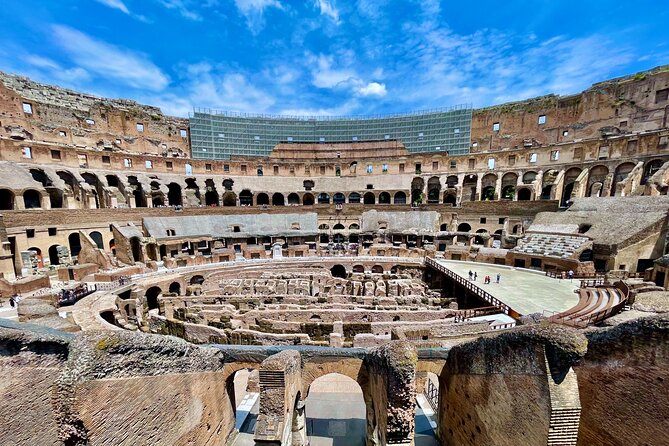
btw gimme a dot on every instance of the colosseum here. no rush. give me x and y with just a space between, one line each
490 276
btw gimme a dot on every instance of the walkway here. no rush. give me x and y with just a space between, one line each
86 312
523 290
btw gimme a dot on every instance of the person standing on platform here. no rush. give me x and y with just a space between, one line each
499 276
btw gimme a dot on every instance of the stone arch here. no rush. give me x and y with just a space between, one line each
452 181
450 198
650 168
339 198
75 243
38 256
433 190
197 279
417 185
339 271
354 197
54 259
175 287
353 368
621 172
488 184
308 200
384 198
358 269
369 198
6 200
464 227
524 194
278 199
229 199
246 198
529 177
211 197
70 182
400 198
293 199
323 198
151 296
137 191
596 180
469 187
262 199
32 199
338 227
378 269
174 196
96 236
479 240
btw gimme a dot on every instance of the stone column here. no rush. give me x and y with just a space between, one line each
391 395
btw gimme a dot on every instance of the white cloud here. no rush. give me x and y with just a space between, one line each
115 4
253 11
108 61
373 89
184 8
51 69
325 76
328 9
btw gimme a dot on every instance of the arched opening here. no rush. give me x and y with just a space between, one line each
32 199
323 198
246 198
196 280
529 177
278 200
464 227
347 425
378 269
354 197
433 190
293 199
450 198
524 194
262 199
354 227
417 185
339 238
136 247
175 287
338 198
488 193
242 392
546 192
508 192
384 198
229 199
369 198
596 180
151 297
211 198
480 239
6 200
400 198
516 229
97 238
469 188
307 200
358 269
338 271
157 200
38 256
174 194
621 173
54 258
650 169
595 189
112 246
338 227
75 244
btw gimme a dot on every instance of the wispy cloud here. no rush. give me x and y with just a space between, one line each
184 8
108 61
254 10
115 4
372 89
328 9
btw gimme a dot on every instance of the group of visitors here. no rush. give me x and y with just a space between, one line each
14 299
72 295
486 280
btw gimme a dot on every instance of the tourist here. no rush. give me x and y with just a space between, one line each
471 274
11 301
499 276
475 276
570 274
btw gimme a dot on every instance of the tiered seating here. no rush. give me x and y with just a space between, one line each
591 302
552 245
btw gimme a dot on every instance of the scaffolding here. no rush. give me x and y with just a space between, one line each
220 135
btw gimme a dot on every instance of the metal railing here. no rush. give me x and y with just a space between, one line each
469 285
431 393
598 316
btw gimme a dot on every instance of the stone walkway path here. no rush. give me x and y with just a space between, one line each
86 312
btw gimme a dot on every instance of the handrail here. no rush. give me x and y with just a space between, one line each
594 318
492 300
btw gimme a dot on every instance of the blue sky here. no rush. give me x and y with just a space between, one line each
329 57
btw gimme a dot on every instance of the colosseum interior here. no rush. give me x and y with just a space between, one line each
360 292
